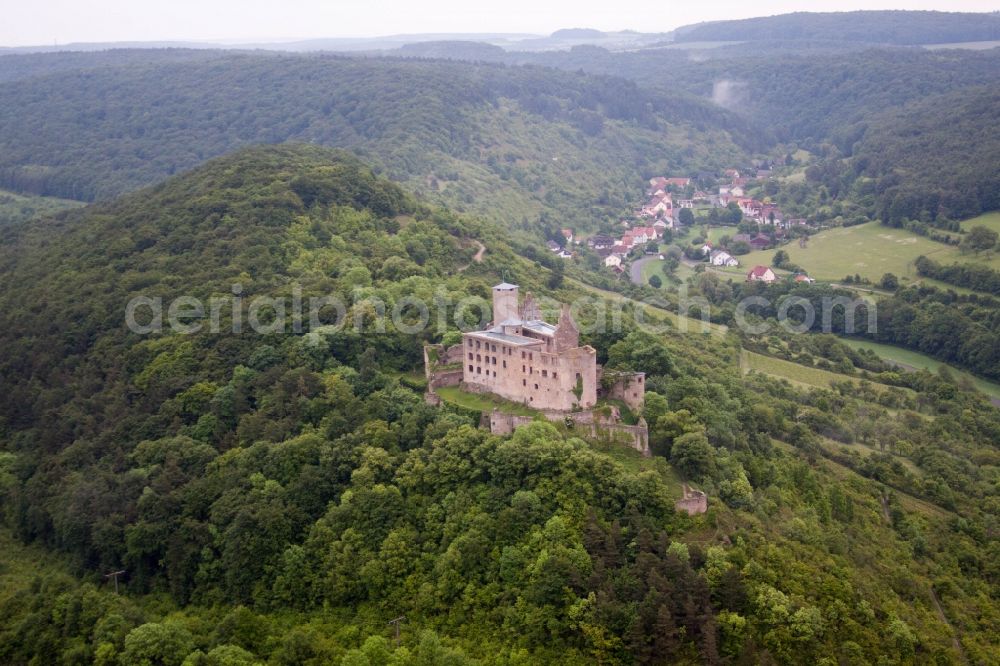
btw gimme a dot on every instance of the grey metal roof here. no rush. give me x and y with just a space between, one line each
506 286
503 337
540 326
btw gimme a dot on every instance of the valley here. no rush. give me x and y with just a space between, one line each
497 349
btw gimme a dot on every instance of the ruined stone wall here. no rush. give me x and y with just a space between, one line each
581 363
693 502
452 354
630 388
637 436
446 378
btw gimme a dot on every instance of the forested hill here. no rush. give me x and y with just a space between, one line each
872 27
242 219
278 496
507 142
862 112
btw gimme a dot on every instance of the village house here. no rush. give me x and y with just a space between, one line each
802 277
761 274
657 205
567 234
522 358
771 214
722 258
750 207
601 241
760 242
612 260
553 246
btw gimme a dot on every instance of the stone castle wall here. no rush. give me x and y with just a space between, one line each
637 436
630 388
693 502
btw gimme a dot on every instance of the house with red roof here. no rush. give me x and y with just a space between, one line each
761 274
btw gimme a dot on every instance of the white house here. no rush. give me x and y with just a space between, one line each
612 260
723 258
761 274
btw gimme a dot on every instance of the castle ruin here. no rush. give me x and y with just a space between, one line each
525 359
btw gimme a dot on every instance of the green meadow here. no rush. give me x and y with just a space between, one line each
871 250
919 361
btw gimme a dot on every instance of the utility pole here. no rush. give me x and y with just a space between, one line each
399 620
114 575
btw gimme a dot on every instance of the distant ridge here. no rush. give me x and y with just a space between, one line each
902 28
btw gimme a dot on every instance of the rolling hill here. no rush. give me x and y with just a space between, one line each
509 143
280 494
869 27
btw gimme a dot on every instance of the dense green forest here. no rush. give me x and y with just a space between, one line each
908 127
510 143
280 498
935 158
518 141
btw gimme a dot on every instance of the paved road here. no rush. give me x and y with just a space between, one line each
635 272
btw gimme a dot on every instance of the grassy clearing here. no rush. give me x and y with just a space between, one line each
988 220
651 268
918 361
635 463
870 250
20 563
683 324
793 372
16 208
483 402
797 374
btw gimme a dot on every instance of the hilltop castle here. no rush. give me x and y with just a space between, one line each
525 359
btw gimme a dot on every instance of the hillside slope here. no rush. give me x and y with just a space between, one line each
506 142
281 495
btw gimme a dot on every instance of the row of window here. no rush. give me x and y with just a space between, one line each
476 344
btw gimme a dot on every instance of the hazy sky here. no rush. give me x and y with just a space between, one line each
33 22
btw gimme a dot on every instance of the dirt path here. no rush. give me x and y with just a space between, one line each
476 258
954 634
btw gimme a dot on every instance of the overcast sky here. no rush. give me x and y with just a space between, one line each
36 22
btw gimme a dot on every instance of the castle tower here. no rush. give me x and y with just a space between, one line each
567 334
504 303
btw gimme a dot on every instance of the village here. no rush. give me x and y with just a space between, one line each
674 205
